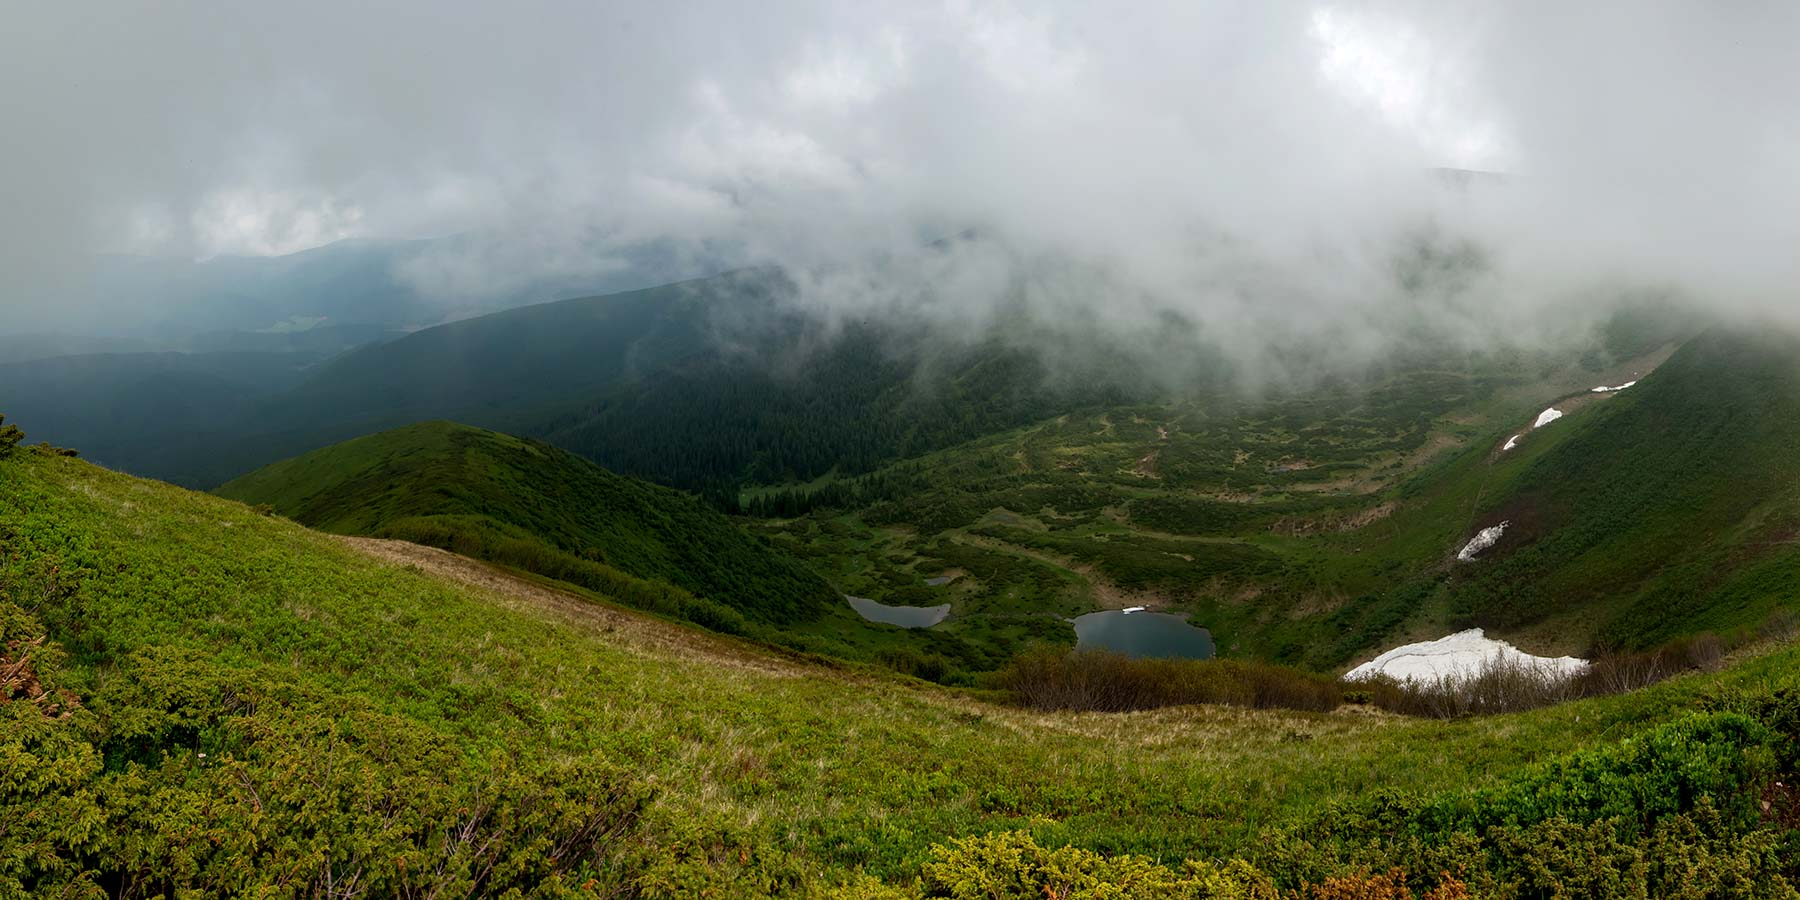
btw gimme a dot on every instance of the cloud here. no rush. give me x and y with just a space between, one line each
1261 169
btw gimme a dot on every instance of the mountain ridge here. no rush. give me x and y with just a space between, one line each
461 487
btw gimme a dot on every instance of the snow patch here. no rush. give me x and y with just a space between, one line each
1131 609
1483 539
1511 442
1603 389
1547 416
1457 656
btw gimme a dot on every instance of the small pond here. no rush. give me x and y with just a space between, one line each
903 616
1143 634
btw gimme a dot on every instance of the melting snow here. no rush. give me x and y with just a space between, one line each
1485 538
1547 416
1458 656
1131 609
1603 389
1511 442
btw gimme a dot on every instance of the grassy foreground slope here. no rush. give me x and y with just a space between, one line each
528 504
245 705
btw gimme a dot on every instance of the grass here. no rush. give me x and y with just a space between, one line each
1315 529
1650 515
1100 681
531 505
725 768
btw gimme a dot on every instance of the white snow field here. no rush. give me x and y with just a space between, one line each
1603 389
1511 442
1483 539
1460 655
1547 416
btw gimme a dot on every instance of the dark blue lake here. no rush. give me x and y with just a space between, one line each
1143 634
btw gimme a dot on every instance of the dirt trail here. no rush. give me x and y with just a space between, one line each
636 632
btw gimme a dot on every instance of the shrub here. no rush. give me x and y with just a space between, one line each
926 666
1386 886
1012 865
1500 685
196 779
1780 625
1103 681
10 436
1675 811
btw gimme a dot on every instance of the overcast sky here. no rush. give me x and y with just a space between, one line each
1232 159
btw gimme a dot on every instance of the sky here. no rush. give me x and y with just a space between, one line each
1258 166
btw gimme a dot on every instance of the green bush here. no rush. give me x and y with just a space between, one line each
10 436
1012 865
1674 812
186 777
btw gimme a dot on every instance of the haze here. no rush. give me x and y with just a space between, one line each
1256 168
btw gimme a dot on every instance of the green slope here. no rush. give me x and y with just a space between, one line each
535 506
1670 509
252 707
1319 528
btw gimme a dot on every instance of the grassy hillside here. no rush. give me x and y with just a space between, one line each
203 699
1674 507
1317 529
1279 524
534 506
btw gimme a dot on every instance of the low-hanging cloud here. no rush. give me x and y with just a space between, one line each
1263 170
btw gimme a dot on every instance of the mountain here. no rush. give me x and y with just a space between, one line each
540 508
705 384
198 699
503 366
1672 508
149 413
1323 527
846 403
391 284
16 348
492 370
698 384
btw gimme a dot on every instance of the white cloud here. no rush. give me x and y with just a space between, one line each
1257 166
252 222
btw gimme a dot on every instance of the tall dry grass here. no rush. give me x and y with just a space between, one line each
1103 681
